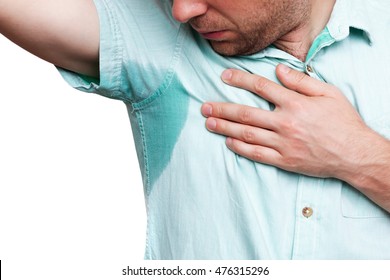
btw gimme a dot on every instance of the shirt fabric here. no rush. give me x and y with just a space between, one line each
205 202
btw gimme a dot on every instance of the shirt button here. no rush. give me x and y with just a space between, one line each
309 69
307 212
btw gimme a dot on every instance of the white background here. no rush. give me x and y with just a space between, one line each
71 197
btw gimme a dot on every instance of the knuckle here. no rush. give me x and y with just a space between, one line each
218 109
296 105
290 127
248 134
220 126
288 164
244 115
258 154
294 161
261 84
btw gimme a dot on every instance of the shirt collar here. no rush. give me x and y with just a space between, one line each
349 14
346 14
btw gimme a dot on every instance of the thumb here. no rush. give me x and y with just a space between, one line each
300 82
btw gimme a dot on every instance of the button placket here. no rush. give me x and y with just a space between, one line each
309 69
307 217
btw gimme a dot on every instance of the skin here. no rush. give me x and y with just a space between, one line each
248 26
314 130
51 30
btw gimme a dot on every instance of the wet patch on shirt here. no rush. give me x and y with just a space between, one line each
158 126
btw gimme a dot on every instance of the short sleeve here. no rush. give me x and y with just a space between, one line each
139 41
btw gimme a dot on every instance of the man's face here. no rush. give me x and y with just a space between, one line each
242 27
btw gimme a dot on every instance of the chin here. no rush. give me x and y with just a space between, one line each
226 48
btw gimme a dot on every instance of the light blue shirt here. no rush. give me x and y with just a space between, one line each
205 202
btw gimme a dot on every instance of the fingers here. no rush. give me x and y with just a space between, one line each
239 114
254 152
302 83
245 133
261 86
293 81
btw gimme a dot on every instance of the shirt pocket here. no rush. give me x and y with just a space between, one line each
356 205
353 203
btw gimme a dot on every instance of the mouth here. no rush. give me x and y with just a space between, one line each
214 35
210 33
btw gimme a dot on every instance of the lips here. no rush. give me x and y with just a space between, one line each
214 35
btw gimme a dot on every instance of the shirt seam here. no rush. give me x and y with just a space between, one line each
167 80
116 91
147 184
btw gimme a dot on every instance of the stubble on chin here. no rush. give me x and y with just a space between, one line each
239 47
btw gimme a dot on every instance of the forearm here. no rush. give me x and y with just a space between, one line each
369 169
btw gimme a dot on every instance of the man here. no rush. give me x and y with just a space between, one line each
203 201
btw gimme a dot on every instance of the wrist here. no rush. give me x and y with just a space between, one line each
369 170
367 161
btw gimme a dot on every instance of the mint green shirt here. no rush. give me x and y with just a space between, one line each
205 202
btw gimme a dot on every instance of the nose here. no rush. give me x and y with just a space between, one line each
184 10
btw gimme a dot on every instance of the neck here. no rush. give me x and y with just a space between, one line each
298 41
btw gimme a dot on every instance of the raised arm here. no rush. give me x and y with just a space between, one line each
63 32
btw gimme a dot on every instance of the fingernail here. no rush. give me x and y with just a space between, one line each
227 75
229 142
284 69
211 124
207 110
